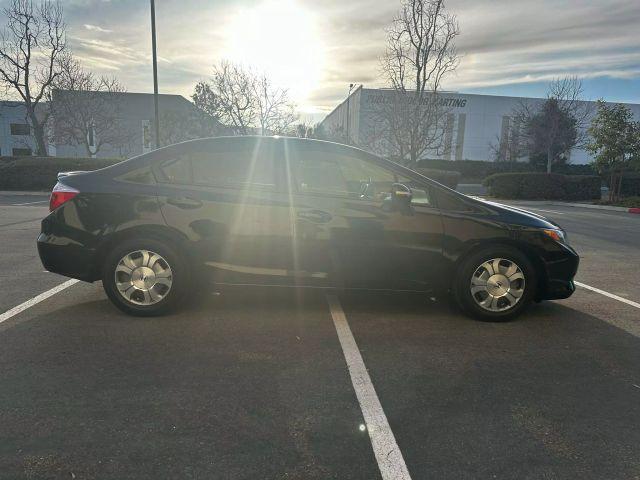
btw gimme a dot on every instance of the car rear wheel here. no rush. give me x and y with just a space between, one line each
495 284
145 277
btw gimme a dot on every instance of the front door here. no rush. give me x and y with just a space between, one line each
350 226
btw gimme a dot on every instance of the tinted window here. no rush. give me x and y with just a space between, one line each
140 175
177 171
339 174
234 169
239 168
452 202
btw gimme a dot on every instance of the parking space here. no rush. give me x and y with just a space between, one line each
254 383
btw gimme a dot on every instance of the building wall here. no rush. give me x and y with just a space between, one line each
475 124
136 114
13 113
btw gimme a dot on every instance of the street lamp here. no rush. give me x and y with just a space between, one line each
155 71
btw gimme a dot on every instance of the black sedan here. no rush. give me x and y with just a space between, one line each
299 213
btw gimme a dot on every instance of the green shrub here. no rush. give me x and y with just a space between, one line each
542 186
478 170
630 185
40 173
583 187
448 178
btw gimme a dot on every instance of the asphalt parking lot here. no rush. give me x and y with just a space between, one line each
254 383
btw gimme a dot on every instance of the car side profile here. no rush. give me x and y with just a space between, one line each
298 213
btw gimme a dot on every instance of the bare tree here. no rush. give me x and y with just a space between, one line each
188 124
234 88
87 109
30 45
569 93
420 52
275 112
555 126
245 101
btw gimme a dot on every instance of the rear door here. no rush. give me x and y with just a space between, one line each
347 227
228 199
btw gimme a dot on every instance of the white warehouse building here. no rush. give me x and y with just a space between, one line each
475 123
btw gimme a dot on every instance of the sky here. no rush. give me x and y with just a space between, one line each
316 48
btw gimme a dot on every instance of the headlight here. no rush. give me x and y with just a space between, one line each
556 234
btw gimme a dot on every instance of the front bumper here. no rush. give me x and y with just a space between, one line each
560 268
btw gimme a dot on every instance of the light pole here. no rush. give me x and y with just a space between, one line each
155 71
351 85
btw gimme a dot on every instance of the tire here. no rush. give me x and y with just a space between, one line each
495 296
145 284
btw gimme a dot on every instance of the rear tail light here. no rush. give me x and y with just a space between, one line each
61 194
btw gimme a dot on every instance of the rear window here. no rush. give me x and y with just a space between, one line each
237 169
234 169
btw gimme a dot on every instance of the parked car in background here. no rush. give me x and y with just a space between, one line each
298 213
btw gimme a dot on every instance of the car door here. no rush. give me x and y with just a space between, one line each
349 225
227 197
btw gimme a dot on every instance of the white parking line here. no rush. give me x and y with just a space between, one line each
388 455
35 300
27 203
610 295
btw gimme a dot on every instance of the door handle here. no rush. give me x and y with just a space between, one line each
315 216
184 202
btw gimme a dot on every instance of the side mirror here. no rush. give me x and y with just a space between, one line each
401 196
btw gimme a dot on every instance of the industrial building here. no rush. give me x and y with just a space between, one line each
135 115
475 124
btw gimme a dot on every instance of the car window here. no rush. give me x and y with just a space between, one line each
234 168
177 170
451 202
237 168
337 174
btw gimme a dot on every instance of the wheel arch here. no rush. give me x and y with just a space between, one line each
532 256
158 232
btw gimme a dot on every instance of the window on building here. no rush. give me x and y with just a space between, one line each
20 129
21 152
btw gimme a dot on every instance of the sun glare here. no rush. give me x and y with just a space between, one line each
281 39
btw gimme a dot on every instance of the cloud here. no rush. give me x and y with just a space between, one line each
96 28
504 43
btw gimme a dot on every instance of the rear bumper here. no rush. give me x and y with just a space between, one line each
59 255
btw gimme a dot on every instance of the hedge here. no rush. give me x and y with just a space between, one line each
630 185
477 169
543 186
40 173
445 177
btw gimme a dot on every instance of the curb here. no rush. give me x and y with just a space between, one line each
599 207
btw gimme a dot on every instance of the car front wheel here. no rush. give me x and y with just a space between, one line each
495 284
145 277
